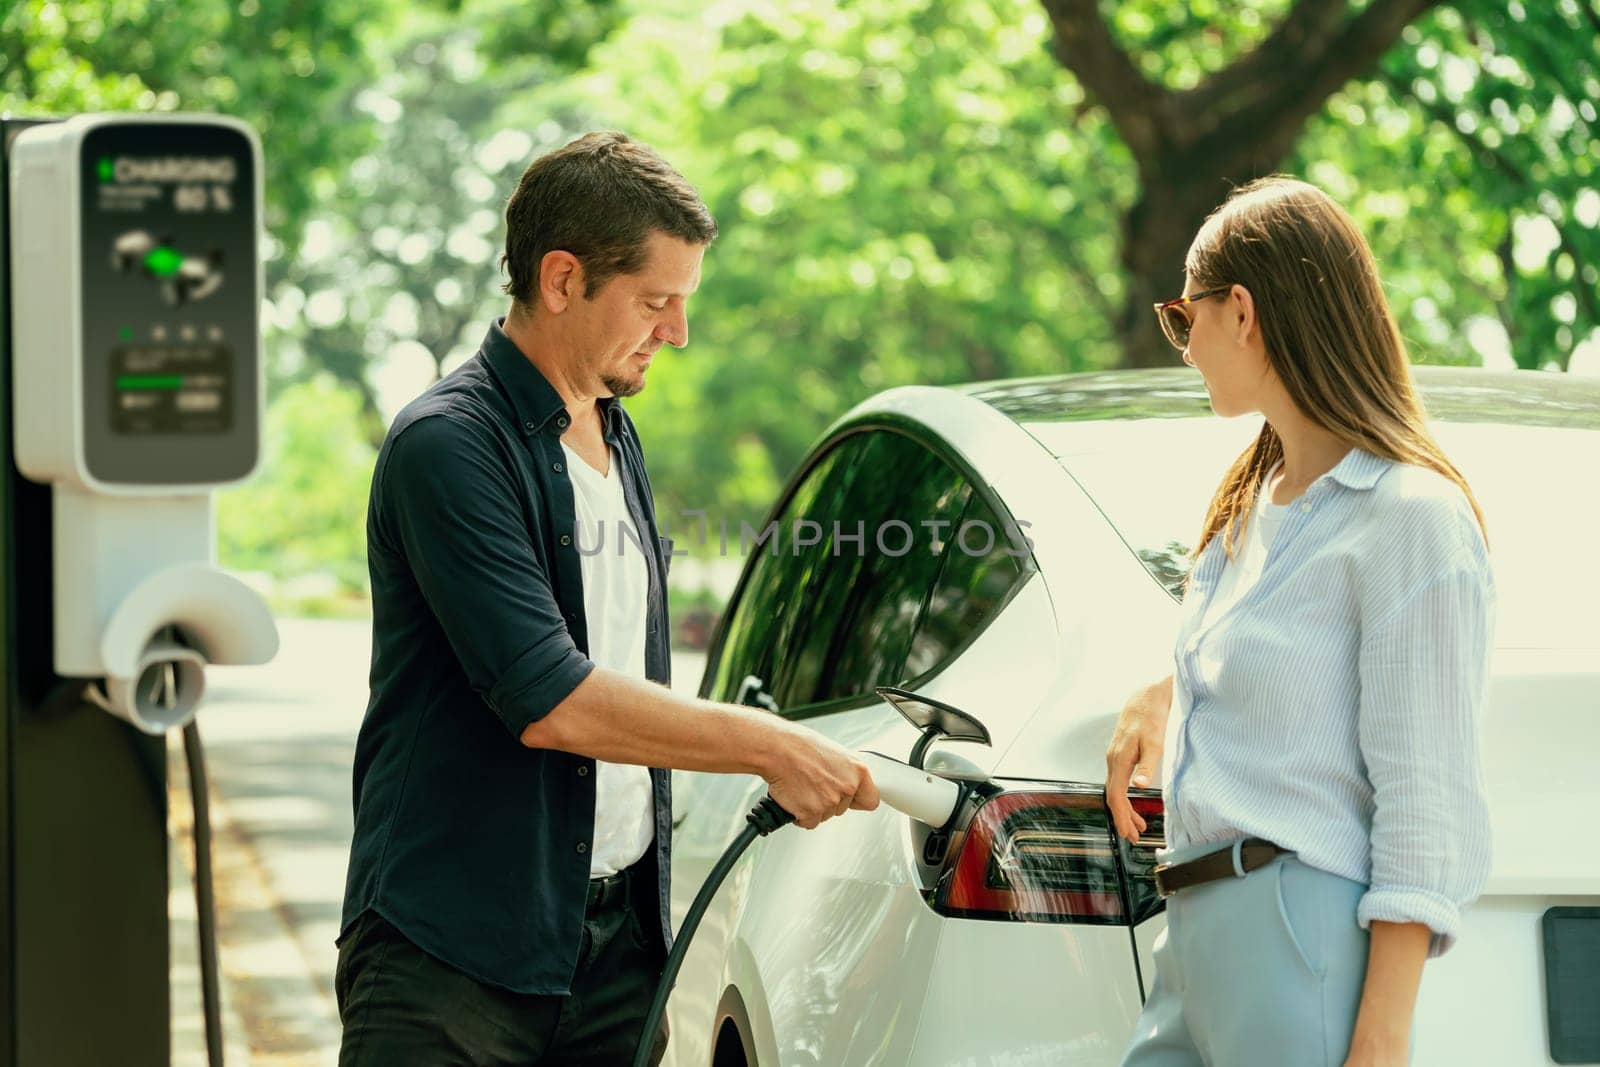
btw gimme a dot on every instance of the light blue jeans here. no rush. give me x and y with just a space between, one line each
1260 971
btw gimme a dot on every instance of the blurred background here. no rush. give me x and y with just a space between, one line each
909 191
923 191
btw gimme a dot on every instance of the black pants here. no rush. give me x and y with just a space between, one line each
400 1006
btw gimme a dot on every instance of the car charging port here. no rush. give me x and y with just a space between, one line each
935 848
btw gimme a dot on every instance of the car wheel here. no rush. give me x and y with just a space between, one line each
733 1047
729 1050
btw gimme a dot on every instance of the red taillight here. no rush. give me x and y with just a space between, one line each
1050 855
1139 861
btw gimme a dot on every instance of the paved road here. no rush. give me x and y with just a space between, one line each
279 742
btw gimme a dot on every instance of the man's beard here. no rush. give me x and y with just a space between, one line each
622 387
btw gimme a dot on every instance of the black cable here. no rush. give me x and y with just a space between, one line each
1125 892
764 818
205 902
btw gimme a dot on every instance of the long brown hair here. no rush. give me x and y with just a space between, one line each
1328 332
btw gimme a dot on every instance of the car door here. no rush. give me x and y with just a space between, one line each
867 542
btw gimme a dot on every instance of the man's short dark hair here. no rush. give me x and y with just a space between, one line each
599 198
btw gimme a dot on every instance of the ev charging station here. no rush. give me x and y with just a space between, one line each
131 388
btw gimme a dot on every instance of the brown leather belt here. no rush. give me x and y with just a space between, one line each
1244 857
605 892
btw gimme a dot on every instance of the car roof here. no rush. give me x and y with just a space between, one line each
1100 426
1450 394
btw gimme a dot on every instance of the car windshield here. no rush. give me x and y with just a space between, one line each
1153 479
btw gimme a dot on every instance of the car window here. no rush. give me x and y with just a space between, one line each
763 608
981 566
837 618
863 598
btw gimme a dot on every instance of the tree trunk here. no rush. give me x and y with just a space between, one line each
1156 233
1192 145
1176 196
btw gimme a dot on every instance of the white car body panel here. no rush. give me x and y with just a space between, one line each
854 874
1541 766
1070 997
1483 1001
838 960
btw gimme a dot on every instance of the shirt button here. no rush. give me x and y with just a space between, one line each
1306 506
562 422
530 426
583 772
565 540
559 468
582 848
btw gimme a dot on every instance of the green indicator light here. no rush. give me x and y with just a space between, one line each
163 262
126 333
150 381
107 170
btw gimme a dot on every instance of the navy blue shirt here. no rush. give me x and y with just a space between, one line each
473 845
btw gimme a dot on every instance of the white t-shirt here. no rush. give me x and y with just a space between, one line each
615 587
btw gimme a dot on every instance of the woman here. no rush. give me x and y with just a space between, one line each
1325 813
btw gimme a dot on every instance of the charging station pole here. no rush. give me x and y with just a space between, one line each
130 388
83 805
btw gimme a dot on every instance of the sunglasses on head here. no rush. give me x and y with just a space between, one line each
1175 321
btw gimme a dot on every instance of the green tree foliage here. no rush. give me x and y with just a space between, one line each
910 191
304 512
1200 110
397 276
904 197
1205 94
387 159
283 65
1495 104
920 192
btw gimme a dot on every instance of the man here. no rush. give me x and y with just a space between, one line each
507 893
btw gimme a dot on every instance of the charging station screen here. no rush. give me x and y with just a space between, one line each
169 302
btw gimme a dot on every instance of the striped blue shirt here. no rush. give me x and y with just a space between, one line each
1335 709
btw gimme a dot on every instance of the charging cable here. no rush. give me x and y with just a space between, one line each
921 794
165 694
764 818
204 895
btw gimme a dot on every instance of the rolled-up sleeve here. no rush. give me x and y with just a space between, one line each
1424 661
449 502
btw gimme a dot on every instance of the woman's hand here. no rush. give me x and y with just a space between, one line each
1379 1050
1389 994
1136 750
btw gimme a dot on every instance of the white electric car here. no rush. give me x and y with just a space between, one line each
1024 935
